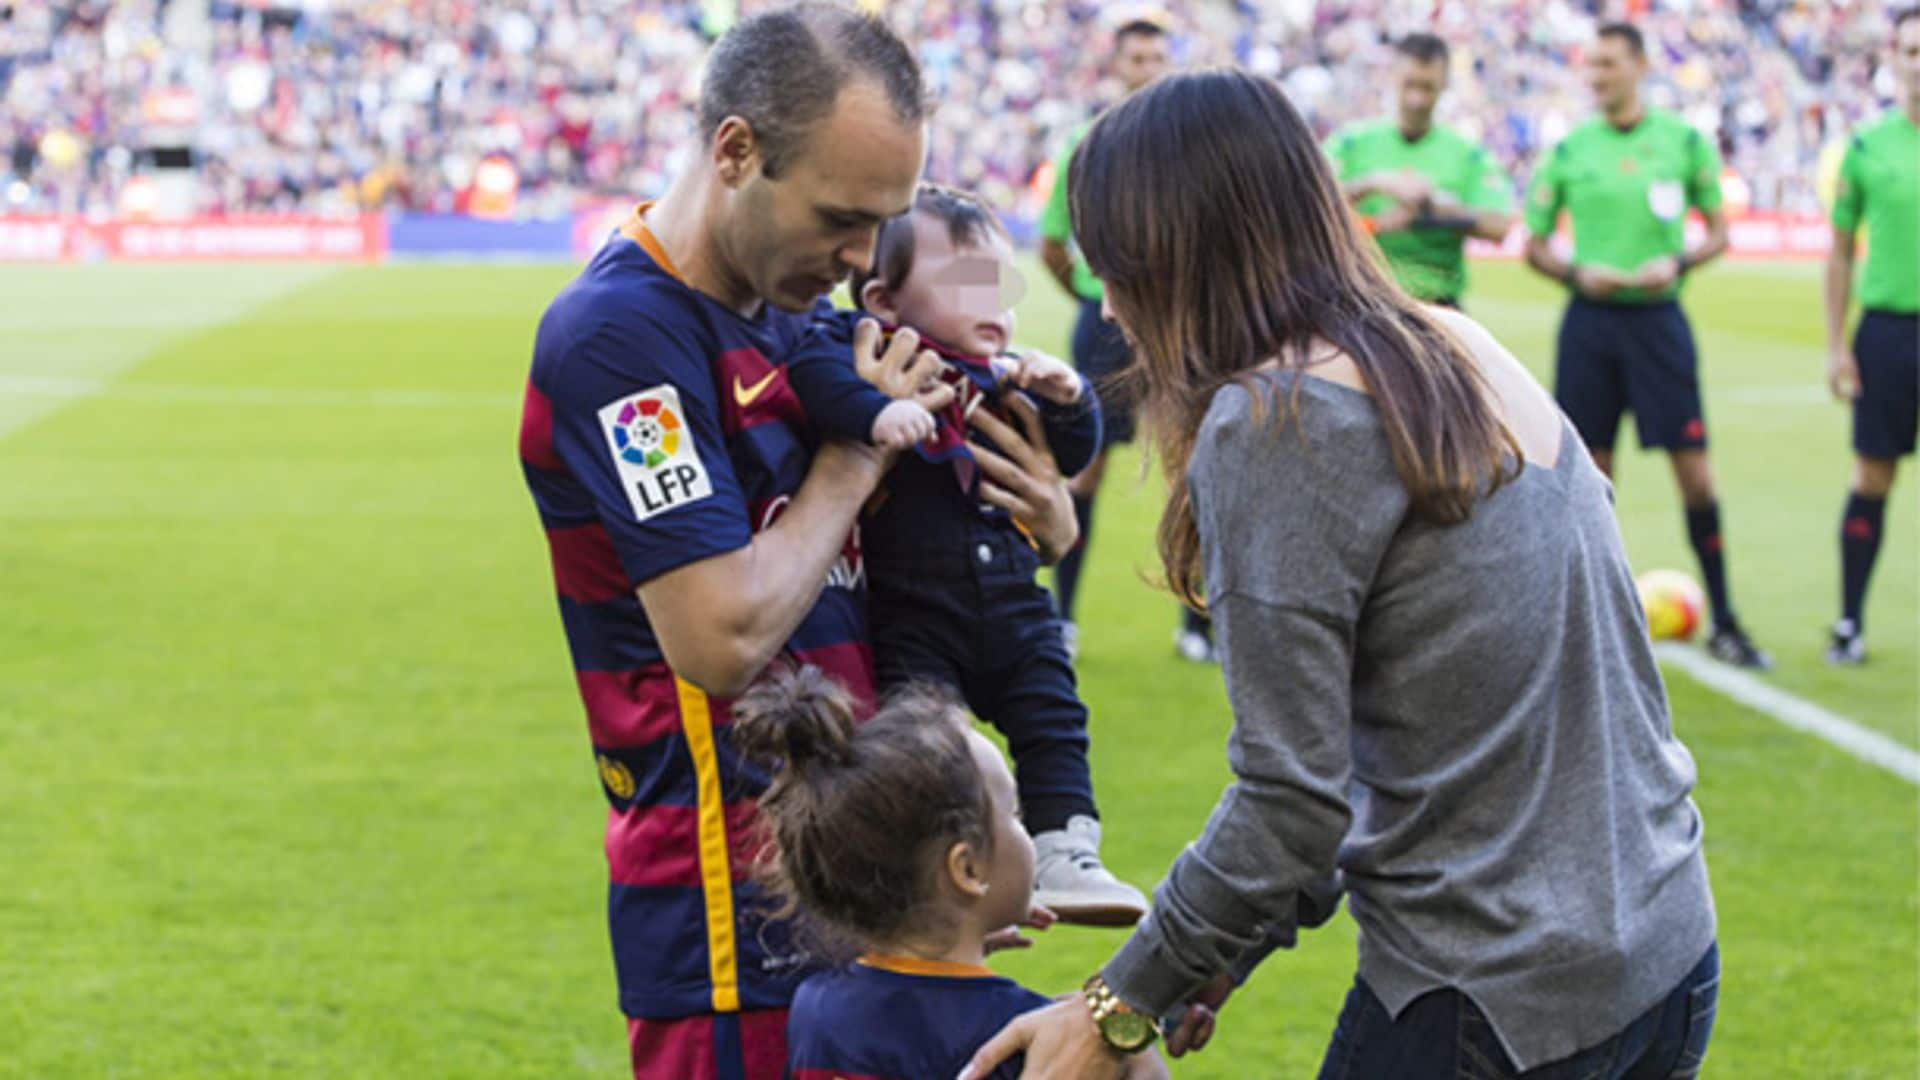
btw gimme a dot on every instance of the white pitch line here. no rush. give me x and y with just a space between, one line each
1797 713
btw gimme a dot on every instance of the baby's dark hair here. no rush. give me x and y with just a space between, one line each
857 816
968 218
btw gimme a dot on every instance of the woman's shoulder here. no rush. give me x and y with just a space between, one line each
1250 414
1282 438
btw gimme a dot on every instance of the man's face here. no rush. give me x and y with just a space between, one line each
795 237
1906 58
1613 71
1138 59
1419 85
961 296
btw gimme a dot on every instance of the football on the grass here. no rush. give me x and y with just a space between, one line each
1674 604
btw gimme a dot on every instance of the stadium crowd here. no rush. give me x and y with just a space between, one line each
397 103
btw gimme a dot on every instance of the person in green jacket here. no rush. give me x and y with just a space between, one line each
1100 351
1626 179
1879 374
1421 188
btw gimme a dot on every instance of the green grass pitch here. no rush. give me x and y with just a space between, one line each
293 780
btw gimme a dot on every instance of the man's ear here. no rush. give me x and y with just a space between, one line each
966 871
736 152
878 299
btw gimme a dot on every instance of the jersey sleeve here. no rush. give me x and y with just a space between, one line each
1849 198
1703 173
1073 431
1487 185
1547 194
1056 221
820 369
636 422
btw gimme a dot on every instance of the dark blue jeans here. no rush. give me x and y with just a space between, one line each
1443 1035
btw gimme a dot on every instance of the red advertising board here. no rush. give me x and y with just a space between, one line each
206 239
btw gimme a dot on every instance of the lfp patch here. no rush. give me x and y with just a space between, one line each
653 452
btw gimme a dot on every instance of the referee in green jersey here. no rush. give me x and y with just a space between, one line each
1420 188
1880 373
1626 179
1140 55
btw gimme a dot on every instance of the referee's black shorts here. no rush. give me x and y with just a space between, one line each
1886 345
1615 358
1100 352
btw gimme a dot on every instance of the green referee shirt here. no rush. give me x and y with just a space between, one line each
1056 223
1627 192
1880 188
1430 263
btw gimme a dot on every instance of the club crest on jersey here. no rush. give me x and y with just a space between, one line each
653 452
616 776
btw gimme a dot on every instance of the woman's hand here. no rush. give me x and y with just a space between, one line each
1024 480
1195 1028
1060 1042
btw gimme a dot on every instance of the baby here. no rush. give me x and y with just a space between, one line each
952 593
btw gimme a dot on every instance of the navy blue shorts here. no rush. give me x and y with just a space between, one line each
1887 348
1100 352
1615 358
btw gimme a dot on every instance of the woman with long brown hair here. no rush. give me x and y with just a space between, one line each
1444 697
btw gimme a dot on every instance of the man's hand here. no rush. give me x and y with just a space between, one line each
1394 218
902 424
1599 282
1038 918
1047 376
1406 187
1060 1041
1656 274
1843 374
904 372
1026 481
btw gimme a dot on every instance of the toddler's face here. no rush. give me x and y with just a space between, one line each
961 297
1010 876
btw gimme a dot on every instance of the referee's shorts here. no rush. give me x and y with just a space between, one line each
1616 358
1886 345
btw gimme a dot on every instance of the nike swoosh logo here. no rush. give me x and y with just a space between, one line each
744 395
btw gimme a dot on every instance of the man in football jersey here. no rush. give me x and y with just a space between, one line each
1879 191
1626 180
1422 188
695 535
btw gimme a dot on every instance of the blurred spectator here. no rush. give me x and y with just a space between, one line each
334 107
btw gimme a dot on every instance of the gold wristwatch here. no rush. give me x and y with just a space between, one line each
1123 1029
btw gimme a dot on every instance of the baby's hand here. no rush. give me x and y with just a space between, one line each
1047 376
902 424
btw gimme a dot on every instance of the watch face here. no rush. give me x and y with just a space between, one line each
1127 1030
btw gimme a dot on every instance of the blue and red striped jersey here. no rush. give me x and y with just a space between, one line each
658 430
896 1018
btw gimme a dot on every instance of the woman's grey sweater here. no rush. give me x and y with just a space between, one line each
1465 722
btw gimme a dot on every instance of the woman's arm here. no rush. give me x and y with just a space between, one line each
1278 826
1293 523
